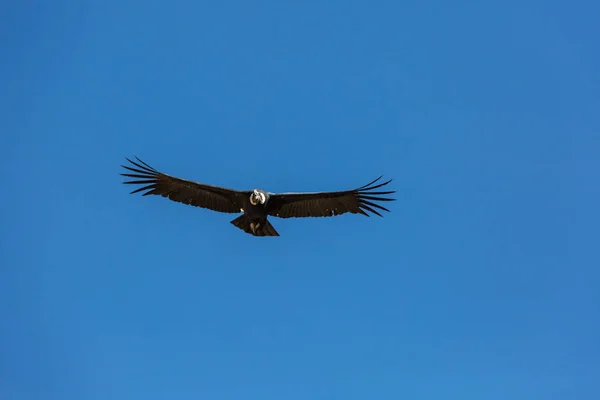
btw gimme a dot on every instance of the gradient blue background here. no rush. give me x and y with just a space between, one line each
482 283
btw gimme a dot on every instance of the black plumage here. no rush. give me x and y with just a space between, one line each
257 205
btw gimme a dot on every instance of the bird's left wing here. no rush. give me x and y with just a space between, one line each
183 191
329 204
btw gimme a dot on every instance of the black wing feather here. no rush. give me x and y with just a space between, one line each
182 191
329 204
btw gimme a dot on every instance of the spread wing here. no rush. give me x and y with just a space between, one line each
329 204
182 191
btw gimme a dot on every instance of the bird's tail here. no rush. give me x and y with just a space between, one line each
256 228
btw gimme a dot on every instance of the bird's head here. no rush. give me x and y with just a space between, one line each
257 197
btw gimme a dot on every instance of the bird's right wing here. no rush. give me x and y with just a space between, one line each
183 191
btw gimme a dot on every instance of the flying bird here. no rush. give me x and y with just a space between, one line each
257 205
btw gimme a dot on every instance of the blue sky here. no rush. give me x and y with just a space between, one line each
482 283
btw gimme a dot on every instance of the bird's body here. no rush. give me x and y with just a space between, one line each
254 215
257 205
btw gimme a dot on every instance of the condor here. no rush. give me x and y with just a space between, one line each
257 205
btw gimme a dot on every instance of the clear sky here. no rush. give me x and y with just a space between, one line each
482 283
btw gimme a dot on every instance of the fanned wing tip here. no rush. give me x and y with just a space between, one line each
367 198
145 174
